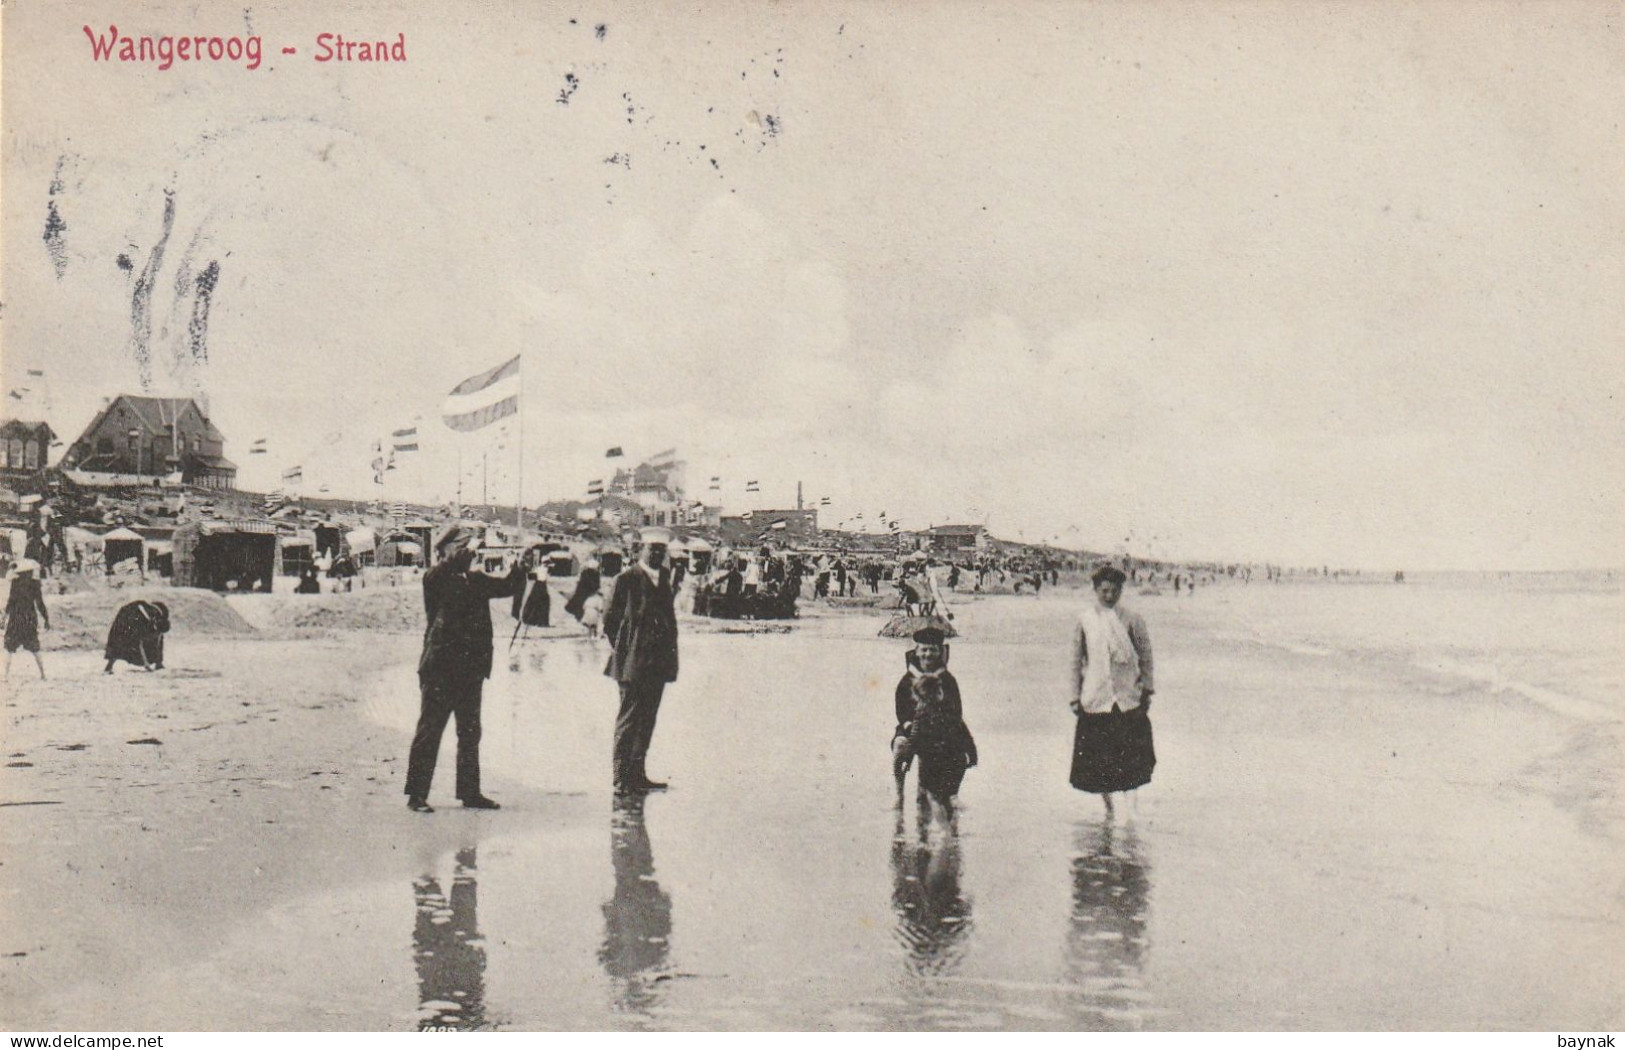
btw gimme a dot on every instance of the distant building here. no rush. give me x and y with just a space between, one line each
957 539
24 447
793 526
152 436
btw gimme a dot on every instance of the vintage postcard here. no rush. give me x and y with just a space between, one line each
812 516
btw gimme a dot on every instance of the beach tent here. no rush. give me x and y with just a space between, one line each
122 544
161 557
224 554
298 554
399 548
699 554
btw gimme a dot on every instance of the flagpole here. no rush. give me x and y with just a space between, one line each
519 506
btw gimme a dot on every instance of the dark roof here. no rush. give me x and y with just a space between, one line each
25 425
954 530
154 412
216 462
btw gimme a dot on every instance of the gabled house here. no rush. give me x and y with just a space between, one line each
153 436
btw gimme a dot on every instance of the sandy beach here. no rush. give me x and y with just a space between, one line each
1336 838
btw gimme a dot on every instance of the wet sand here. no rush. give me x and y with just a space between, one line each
1329 843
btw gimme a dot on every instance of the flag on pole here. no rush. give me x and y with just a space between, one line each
406 440
612 453
483 399
595 487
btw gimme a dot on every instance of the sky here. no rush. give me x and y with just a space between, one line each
1310 284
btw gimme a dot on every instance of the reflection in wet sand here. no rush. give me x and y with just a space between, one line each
1107 944
637 919
449 951
933 914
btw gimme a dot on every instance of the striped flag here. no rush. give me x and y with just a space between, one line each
716 483
406 440
823 501
483 399
595 487
751 486
293 475
258 448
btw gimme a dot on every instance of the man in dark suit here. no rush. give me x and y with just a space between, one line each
456 662
641 624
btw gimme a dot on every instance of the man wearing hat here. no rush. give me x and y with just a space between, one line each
455 663
641 625
1111 687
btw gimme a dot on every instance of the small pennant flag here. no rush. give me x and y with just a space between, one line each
595 487
751 486
293 475
483 399
323 488
406 440
859 517
716 484
15 396
37 373
258 448
612 453
823 501
745 516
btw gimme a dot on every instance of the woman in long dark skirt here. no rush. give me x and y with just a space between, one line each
137 636
25 610
1112 750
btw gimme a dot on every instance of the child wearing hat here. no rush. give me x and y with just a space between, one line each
930 721
25 610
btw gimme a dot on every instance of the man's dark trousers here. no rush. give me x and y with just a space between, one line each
444 697
635 729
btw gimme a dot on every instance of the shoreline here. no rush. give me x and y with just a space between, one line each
262 799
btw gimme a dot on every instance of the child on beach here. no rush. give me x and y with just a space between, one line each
930 722
592 613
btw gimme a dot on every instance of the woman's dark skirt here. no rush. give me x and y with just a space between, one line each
1113 751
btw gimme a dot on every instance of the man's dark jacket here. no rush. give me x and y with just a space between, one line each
641 623
457 637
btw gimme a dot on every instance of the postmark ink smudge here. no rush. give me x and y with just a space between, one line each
570 85
600 30
55 227
621 160
198 330
141 297
124 263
